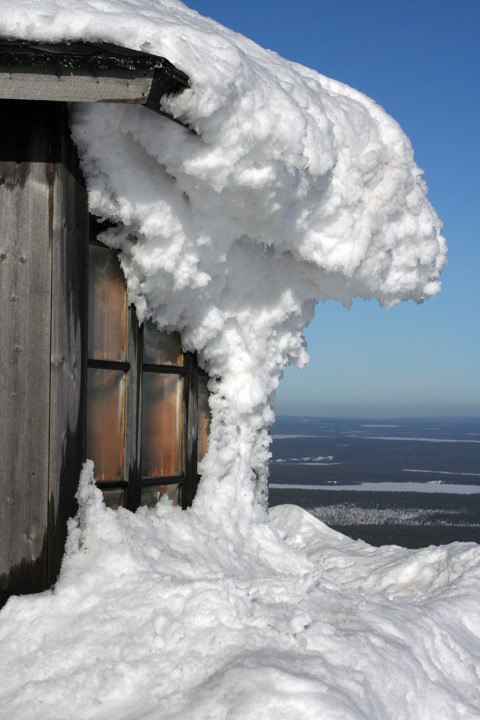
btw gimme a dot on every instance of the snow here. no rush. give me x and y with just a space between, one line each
165 614
293 189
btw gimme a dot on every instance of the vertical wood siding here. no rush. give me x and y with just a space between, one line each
43 216
68 351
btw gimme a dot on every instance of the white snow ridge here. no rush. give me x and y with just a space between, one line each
294 188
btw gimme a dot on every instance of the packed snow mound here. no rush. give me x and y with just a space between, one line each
163 615
293 188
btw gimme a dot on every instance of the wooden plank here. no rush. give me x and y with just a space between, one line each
43 238
76 86
86 72
25 296
68 353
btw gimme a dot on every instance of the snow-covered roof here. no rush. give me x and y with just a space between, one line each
293 188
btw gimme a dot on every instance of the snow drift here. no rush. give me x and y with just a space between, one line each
162 615
295 188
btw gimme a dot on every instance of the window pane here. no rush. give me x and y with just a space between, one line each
114 498
162 425
107 306
203 417
151 495
105 398
161 348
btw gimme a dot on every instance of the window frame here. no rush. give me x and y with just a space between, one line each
132 482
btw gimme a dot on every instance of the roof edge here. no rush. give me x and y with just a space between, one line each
86 72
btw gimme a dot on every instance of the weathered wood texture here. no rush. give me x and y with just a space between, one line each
25 299
86 72
43 216
74 86
68 352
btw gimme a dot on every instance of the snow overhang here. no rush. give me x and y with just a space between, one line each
86 72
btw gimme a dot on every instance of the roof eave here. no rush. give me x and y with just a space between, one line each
86 72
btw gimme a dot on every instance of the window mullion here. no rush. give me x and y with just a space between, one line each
165 369
133 411
190 429
109 364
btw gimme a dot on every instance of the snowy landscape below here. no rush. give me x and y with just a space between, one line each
408 482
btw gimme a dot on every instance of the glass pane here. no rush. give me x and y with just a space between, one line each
162 425
161 348
114 498
107 306
105 398
203 417
151 495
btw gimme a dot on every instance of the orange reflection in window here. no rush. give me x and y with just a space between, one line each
105 435
162 425
107 306
161 348
203 417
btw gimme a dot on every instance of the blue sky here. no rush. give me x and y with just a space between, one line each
420 60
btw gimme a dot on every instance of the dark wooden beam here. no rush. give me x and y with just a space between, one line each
86 72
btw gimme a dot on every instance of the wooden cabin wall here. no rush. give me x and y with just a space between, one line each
68 353
43 256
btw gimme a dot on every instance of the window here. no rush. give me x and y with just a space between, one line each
147 400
